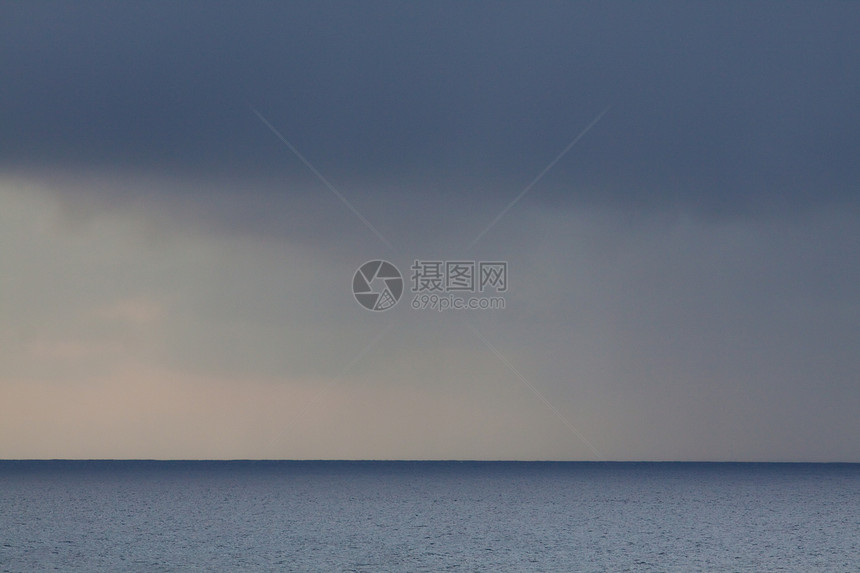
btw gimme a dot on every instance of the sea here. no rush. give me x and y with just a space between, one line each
378 516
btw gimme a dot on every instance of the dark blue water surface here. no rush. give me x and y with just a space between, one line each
427 516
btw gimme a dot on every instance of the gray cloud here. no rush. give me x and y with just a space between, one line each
682 282
718 109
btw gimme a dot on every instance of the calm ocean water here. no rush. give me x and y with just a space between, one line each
428 516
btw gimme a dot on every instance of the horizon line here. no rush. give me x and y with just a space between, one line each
422 460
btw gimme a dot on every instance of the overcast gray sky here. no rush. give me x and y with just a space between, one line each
187 189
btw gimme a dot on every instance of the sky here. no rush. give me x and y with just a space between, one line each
187 191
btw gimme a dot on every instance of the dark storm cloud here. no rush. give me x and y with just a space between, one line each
717 108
